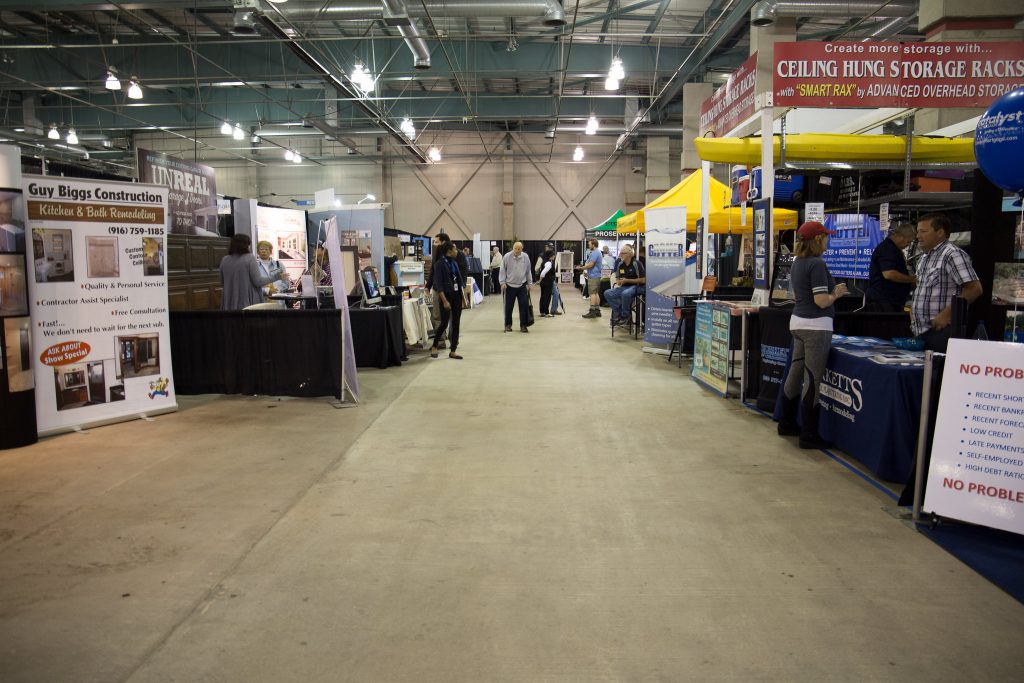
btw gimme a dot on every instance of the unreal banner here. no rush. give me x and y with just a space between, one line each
192 199
891 74
101 350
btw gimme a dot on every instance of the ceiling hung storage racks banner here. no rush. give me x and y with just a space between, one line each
98 301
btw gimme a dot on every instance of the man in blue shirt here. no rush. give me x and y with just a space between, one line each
889 281
592 267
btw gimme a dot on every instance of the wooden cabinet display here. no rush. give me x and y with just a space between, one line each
193 271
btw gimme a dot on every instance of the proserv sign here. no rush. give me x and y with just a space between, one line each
892 74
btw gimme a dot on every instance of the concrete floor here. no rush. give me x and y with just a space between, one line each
556 507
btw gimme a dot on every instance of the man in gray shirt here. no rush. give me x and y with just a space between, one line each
515 277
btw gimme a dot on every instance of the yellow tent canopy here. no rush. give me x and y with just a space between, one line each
834 147
720 219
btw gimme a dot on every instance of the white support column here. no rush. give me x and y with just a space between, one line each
694 95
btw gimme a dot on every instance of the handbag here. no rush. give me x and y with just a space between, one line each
529 309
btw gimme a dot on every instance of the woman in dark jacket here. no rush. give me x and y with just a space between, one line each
547 283
447 285
241 277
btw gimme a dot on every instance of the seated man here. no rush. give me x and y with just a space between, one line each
629 279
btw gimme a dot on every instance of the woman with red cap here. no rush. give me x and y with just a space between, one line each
816 292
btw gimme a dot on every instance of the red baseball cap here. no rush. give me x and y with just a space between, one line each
812 229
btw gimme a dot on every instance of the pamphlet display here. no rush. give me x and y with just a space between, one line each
977 463
762 224
711 347
101 347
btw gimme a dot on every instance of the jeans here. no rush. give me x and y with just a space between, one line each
512 295
621 300
555 300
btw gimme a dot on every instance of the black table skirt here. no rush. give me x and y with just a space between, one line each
277 352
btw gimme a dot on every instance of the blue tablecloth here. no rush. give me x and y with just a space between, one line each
872 411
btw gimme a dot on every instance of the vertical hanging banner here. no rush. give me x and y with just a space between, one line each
98 297
762 224
976 472
700 248
349 373
667 275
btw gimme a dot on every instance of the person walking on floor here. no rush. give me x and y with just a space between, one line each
515 278
448 286
630 279
592 267
945 271
889 280
495 268
548 305
816 293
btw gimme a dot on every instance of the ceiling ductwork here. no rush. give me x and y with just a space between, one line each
72 151
550 11
766 12
887 28
244 23
396 14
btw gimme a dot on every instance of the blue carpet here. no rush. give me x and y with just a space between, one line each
996 555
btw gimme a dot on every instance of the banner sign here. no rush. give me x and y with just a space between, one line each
101 349
193 192
700 248
893 74
711 347
666 271
732 103
775 341
977 463
849 250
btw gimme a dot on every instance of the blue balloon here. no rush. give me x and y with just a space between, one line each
999 142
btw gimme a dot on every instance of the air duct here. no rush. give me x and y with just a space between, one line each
887 28
550 11
396 14
41 141
766 12
244 23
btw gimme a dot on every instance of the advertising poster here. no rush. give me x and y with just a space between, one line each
667 273
711 347
977 463
893 74
101 349
732 103
762 224
192 192
849 250
285 229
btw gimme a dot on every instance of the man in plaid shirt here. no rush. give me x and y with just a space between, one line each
943 272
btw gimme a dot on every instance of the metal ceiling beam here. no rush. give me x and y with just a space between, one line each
653 26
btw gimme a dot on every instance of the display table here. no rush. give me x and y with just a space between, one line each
277 352
869 410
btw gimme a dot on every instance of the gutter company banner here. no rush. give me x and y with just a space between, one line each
667 272
98 294
193 187
893 74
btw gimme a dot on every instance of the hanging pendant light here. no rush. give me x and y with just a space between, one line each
225 128
72 137
54 134
591 128
617 71
238 133
611 83
289 155
134 90
577 155
112 83
297 158
434 153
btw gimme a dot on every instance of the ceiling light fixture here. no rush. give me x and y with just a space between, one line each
617 71
112 83
134 90
72 137
611 83
434 153
238 133
577 154
297 159
591 128
363 79
408 128
225 128
54 134
288 155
